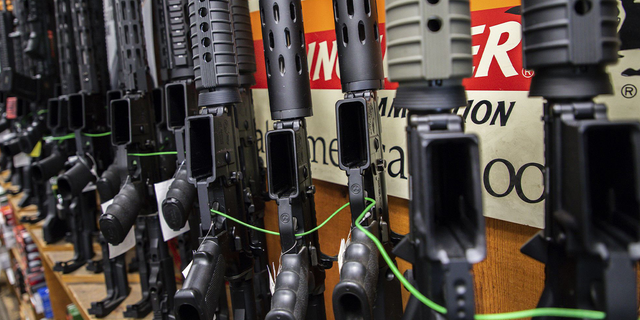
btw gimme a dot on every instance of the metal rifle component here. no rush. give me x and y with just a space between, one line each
592 165
180 96
134 127
367 288
445 212
213 166
252 166
299 290
56 117
52 163
181 102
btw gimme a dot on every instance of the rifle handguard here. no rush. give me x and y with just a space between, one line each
180 197
74 180
109 183
120 216
358 278
200 293
290 299
48 167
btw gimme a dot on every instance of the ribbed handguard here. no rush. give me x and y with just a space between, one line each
358 278
290 299
200 293
67 59
120 216
214 69
180 59
88 21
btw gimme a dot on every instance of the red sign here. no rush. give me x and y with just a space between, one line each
496 48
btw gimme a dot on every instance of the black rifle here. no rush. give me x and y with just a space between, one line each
367 288
134 125
87 119
592 166
214 167
429 53
180 97
252 165
299 290
49 167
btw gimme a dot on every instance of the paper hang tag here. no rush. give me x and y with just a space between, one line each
21 160
126 245
272 281
186 270
37 150
161 194
343 247
105 205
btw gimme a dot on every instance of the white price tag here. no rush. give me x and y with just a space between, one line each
128 243
272 276
161 194
11 276
21 160
186 270
105 205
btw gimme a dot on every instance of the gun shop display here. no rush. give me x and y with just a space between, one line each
135 135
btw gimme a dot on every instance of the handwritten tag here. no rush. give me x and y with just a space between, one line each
161 194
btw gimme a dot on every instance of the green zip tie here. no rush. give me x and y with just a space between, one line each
540 312
61 138
97 135
40 112
277 233
153 154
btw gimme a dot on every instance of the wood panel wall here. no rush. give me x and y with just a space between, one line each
506 281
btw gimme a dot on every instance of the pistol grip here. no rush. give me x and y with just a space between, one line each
355 294
289 301
200 293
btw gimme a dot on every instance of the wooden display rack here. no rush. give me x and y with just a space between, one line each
80 287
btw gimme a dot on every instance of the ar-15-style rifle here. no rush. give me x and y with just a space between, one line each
135 134
214 166
299 289
592 166
367 288
58 149
429 53
87 119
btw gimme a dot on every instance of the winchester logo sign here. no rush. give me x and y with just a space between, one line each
507 122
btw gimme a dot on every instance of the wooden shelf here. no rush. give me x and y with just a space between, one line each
80 287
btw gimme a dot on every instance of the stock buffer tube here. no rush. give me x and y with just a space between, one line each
445 212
